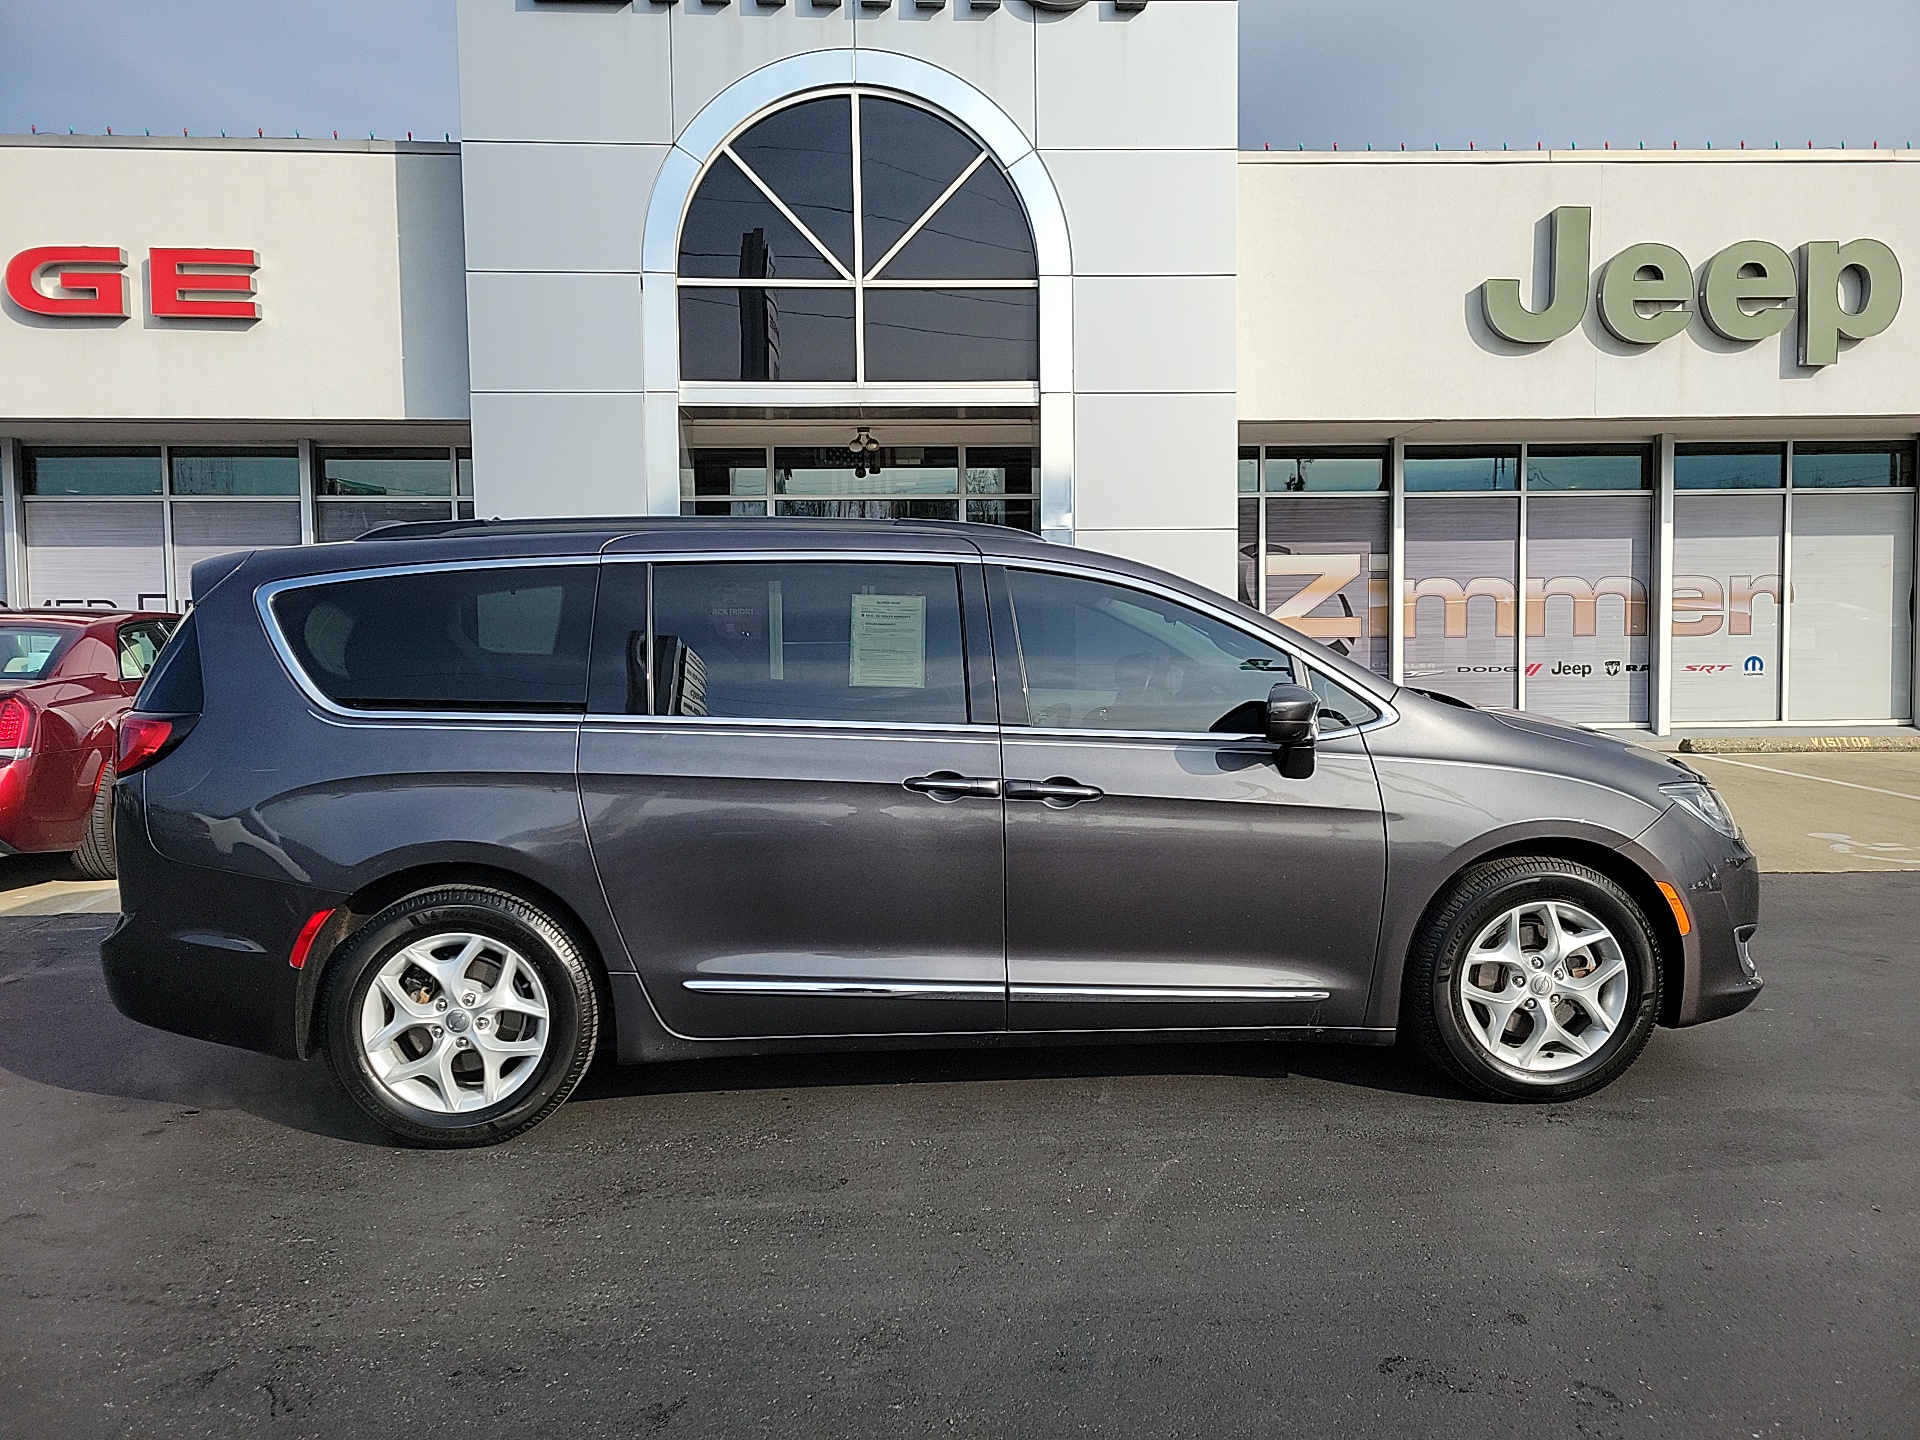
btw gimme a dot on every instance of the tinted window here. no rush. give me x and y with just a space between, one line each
27 651
139 646
810 641
447 640
52 471
1340 707
1729 467
1098 656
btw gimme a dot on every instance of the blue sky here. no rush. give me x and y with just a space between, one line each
1313 72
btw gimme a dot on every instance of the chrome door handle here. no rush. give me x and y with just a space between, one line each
1058 792
944 785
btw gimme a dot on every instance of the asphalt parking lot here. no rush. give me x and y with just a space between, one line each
1207 1240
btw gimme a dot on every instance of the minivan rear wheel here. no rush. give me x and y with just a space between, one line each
1534 979
460 1016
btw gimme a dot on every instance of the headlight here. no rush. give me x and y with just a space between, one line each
1704 801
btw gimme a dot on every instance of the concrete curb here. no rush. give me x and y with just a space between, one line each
1798 744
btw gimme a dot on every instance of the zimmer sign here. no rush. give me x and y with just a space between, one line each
1749 291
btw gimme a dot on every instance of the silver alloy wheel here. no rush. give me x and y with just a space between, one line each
1543 987
454 1022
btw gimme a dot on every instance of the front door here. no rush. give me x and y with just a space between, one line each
1161 872
792 791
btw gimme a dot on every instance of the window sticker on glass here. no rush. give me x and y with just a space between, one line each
889 650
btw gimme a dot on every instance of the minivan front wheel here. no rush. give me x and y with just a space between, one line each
460 1016
1534 979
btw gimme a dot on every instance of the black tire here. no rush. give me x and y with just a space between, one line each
95 858
571 1028
1447 1031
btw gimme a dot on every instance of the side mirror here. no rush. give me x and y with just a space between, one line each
1293 724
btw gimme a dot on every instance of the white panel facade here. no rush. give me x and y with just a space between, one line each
545 332
539 206
1149 212
557 454
1161 334
1374 263
362 315
565 72
1156 471
1163 78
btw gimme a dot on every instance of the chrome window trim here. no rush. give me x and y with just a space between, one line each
877 729
855 989
264 596
1388 715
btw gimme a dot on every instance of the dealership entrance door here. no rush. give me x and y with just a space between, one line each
876 468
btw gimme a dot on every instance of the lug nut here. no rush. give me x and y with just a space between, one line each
1538 963
467 999
1532 1004
438 1032
479 1022
441 1003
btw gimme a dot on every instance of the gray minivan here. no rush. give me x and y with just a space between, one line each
462 805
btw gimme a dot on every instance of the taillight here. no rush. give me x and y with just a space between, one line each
145 738
16 730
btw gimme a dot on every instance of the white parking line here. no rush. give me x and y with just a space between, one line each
1799 775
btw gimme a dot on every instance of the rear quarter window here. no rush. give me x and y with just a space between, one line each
27 652
481 639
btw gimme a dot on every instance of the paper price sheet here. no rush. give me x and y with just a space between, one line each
889 642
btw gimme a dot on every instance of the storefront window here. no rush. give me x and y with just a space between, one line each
1729 467
1461 598
1727 596
1852 466
358 490
50 470
1850 618
899 482
1326 471
915 266
1592 467
235 472
1446 467
1588 601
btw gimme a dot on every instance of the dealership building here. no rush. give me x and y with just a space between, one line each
1625 437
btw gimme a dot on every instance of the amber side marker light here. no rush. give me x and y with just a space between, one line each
1679 907
309 932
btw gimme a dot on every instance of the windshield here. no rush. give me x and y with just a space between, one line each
27 651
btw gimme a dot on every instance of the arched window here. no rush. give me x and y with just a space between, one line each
854 237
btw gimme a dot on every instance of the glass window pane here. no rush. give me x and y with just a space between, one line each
1015 514
1327 562
723 507
382 472
908 158
27 651
463 467
1001 469
1726 607
1850 620
1248 554
870 509
897 470
874 642
1461 604
455 640
1104 657
106 554
1554 467
139 648
1309 473
235 472
979 234
52 471
1852 466
1340 707
953 334
203 529
805 154
725 472
1441 467
733 231
1729 467
1249 469
1588 575
766 334
350 519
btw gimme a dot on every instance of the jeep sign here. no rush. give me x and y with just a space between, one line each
1748 291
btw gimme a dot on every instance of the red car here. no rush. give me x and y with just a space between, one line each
66 678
